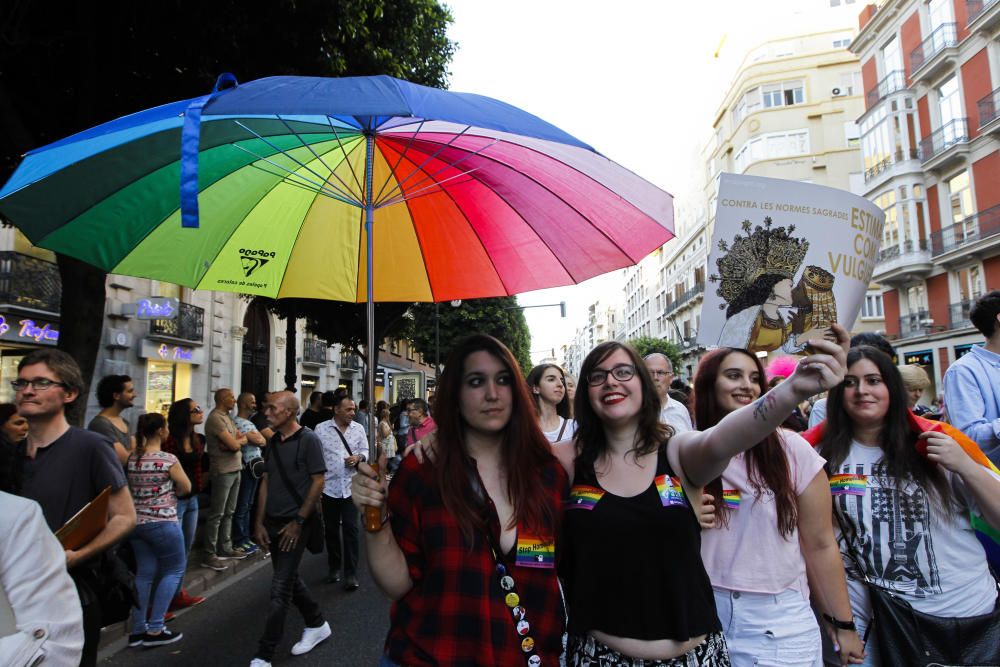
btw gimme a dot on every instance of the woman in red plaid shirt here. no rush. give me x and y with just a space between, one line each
470 556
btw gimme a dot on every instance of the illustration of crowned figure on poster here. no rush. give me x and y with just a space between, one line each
765 309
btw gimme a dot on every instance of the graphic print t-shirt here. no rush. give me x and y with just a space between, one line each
152 488
933 560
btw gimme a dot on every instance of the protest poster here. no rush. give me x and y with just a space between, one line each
787 260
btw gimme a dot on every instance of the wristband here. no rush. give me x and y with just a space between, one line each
840 625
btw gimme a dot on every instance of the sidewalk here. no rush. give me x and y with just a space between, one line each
197 581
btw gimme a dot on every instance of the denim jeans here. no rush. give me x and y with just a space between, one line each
219 527
337 511
159 556
244 501
187 517
769 630
286 586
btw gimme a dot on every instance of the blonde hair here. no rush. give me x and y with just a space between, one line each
914 376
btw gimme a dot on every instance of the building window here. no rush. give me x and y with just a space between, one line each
841 43
872 305
852 134
890 232
850 82
772 146
786 93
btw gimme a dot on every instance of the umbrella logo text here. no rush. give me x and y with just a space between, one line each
254 259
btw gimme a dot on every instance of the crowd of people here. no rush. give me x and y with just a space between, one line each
761 516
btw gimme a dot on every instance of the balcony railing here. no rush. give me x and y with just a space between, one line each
314 351
975 8
351 361
29 282
944 35
189 325
988 107
914 324
891 83
973 228
958 314
953 132
900 155
686 296
895 251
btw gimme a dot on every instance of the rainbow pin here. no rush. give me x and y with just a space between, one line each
582 497
848 485
670 490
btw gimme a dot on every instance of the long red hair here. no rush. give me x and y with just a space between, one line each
767 465
525 453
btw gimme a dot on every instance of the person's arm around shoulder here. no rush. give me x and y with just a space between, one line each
182 484
385 557
40 592
703 455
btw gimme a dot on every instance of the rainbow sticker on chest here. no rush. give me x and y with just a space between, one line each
848 485
671 492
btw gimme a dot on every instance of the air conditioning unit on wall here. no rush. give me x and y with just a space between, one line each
836 92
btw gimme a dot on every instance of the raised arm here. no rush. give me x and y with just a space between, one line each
705 454
385 558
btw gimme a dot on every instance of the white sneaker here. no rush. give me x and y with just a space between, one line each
259 662
311 637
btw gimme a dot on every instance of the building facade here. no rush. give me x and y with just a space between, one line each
930 136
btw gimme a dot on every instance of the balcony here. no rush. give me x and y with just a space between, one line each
915 324
187 327
934 53
903 263
29 282
989 113
350 362
958 314
314 352
698 288
984 15
893 82
969 237
946 145
901 155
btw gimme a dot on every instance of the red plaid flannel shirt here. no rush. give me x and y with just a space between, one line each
455 613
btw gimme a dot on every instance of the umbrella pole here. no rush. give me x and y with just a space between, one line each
373 515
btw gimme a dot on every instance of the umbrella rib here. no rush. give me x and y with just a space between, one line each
448 165
399 184
392 171
304 144
310 185
305 166
424 190
336 135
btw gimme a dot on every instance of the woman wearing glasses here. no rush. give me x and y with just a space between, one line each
635 583
548 388
189 448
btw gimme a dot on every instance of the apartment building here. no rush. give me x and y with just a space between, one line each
603 324
930 137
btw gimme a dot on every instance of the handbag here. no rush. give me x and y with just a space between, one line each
910 637
314 522
256 467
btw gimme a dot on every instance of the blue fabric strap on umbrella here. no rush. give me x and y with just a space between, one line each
190 144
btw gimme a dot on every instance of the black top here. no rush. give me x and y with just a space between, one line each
310 418
69 473
632 566
301 455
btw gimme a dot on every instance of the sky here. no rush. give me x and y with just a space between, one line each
635 79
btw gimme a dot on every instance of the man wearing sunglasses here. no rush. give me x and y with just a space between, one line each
63 468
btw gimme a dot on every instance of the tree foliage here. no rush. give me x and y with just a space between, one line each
645 345
65 69
501 318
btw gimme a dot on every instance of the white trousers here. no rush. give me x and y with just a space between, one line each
764 630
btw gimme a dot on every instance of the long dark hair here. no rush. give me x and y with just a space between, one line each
767 464
591 441
535 379
525 452
149 425
897 440
179 423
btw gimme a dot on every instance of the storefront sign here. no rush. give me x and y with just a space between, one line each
156 308
921 358
28 330
172 353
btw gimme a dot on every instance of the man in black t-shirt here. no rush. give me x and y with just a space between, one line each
63 468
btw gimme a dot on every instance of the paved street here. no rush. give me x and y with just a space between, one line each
224 629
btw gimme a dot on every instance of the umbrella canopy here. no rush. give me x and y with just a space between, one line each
263 188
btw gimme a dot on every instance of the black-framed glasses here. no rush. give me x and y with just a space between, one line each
659 373
40 384
621 372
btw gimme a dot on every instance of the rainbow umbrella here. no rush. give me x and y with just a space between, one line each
317 187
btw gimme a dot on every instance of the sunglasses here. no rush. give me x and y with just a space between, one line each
196 410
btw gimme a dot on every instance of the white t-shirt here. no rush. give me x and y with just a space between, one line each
676 415
934 561
750 554
567 433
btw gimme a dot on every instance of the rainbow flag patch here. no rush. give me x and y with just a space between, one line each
848 485
583 497
537 552
731 498
670 490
